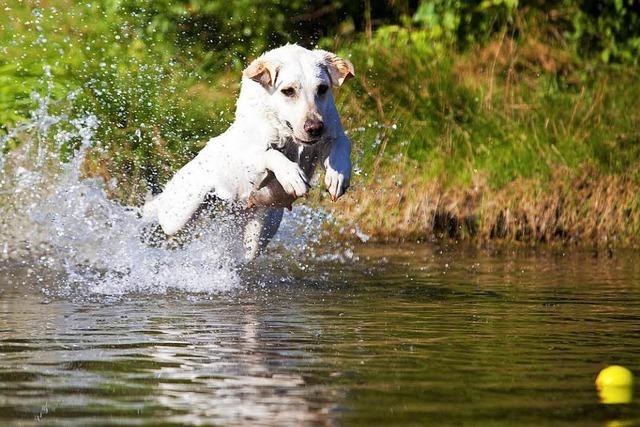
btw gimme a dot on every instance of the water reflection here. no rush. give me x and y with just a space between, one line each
388 338
193 362
225 373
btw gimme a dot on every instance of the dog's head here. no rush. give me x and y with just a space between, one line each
297 84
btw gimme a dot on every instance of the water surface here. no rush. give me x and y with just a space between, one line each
405 335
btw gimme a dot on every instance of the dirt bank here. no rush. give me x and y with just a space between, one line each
584 208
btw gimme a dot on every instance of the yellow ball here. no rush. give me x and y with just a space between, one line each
614 376
615 385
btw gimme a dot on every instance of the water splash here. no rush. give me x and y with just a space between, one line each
59 221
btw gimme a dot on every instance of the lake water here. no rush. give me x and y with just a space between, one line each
386 335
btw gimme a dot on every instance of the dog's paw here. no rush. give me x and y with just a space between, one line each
336 183
292 178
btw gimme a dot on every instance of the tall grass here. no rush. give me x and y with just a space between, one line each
513 108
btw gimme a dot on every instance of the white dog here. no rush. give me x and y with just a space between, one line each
285 124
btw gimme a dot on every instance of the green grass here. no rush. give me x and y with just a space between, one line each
137 83
457 118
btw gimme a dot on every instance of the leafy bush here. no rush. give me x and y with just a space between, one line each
464 22
610 28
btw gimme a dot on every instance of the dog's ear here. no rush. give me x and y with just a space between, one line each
263 71
339 68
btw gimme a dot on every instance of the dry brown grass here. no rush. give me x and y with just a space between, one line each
518 65
584 209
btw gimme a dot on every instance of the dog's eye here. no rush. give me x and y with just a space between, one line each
289 92
322 89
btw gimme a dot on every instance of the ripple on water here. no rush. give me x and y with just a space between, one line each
371 343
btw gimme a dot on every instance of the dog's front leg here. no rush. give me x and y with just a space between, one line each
292 178
337 166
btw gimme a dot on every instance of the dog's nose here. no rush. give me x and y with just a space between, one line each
314 127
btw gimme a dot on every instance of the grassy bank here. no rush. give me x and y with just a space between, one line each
513 136
515 140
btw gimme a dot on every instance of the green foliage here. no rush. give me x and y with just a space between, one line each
226 33
464 22
451 119
610 28
607 29
130 76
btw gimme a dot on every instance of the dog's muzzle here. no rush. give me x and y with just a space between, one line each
310 141
314 127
